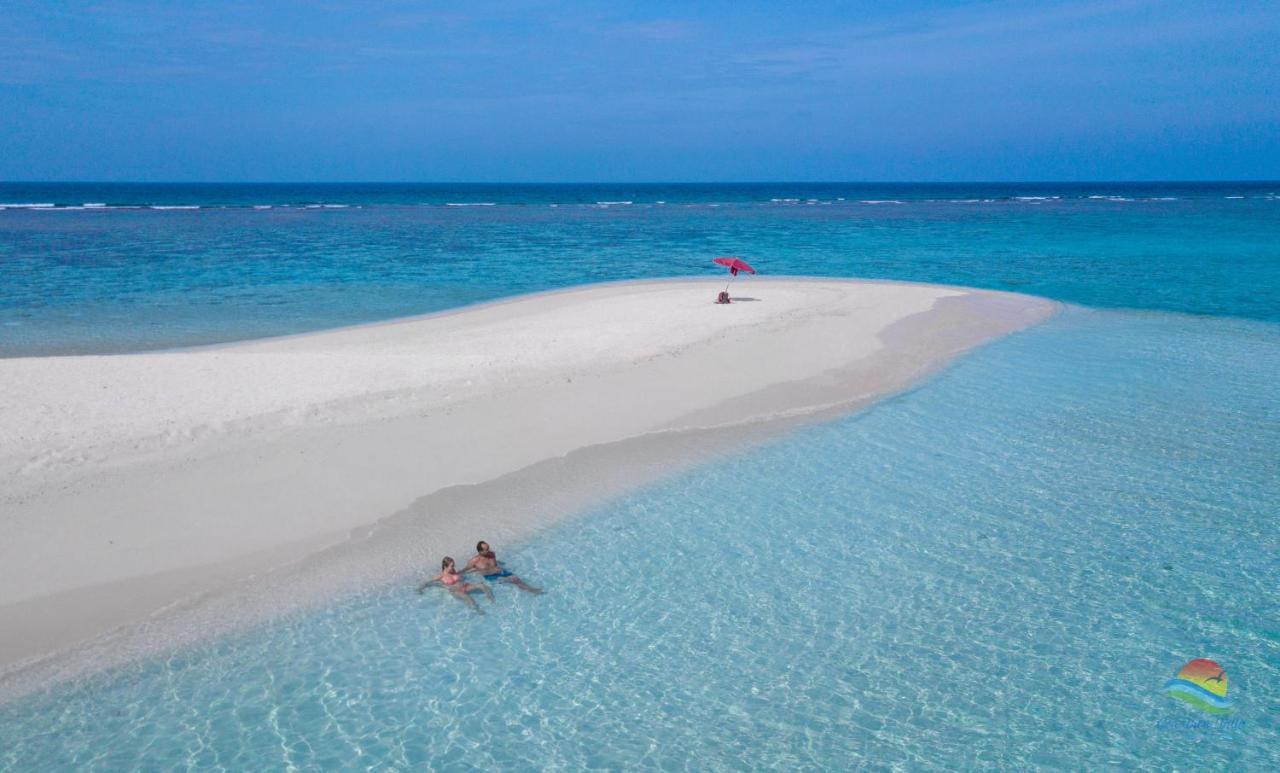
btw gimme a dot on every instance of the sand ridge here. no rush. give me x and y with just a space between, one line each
204 466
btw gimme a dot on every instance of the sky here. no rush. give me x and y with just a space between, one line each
223 90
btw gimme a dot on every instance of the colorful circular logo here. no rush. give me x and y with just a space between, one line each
1203 684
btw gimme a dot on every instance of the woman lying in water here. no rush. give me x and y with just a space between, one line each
453 582
486 563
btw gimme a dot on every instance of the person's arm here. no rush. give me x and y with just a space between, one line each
471 565
428 584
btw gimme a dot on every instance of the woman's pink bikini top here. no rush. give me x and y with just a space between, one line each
450 579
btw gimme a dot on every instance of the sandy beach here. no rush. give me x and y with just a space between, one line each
134 482
303 304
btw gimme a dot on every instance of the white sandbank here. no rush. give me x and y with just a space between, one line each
131 482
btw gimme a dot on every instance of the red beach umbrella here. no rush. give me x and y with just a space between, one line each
734 264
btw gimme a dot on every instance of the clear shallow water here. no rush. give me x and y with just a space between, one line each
113 278
1000 568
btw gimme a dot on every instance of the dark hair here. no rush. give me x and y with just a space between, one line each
446 562
478 544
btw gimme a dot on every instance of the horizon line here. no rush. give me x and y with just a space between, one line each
1175 181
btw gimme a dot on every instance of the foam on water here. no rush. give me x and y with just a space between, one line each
1000 568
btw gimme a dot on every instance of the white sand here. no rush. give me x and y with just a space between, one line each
128 482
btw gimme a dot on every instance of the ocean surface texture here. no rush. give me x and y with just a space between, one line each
1001 568
109 268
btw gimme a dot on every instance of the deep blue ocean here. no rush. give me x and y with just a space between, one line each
1001 568
109 268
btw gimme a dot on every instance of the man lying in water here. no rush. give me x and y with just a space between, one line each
486 563
451 580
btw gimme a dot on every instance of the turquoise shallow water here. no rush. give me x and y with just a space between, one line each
126 276
1000 568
